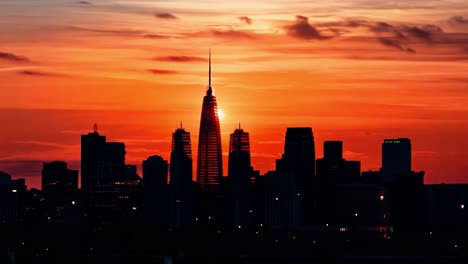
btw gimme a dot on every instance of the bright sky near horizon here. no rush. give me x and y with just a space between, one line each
355 70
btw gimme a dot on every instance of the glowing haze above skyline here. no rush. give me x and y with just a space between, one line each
358 71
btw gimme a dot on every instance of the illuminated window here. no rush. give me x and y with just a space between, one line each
14 191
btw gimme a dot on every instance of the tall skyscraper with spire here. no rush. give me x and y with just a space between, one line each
210 162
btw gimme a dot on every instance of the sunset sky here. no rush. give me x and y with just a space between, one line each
354 70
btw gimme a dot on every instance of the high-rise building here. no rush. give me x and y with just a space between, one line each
180 183
12 194
56 177
90 147
333 150
396 159
297 167
111 163
239 172
155 171
332 172
210 162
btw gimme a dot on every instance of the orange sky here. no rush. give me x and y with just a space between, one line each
354 70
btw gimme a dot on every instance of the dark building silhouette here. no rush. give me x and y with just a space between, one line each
180 184
292 188
155 172
405 188
91 144
396 159
239 172
333 150
111 163
361 206
353 171
370 177
407 202
446 207
210 162
332 171
278 204
57 178
12 194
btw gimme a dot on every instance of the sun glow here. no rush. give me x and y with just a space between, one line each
220 114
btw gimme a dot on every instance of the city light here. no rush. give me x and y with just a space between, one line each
462 206
14 191
276 198
73 202
381 197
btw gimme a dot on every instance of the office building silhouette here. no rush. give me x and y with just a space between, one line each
57 178
91 145
180 183
155 173
239 173
396 159
291 187
12 194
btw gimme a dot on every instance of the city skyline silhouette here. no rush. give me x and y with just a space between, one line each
357 76
240 132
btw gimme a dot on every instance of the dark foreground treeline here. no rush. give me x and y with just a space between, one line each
137 241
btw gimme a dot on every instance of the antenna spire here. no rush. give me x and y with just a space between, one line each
95 128
209 69
181 125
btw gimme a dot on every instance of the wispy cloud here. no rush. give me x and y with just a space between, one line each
165 16
12 57
85 3
156 36
245 19
119 32
180 59
160 71
391 43
302 29
41 73
458 20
